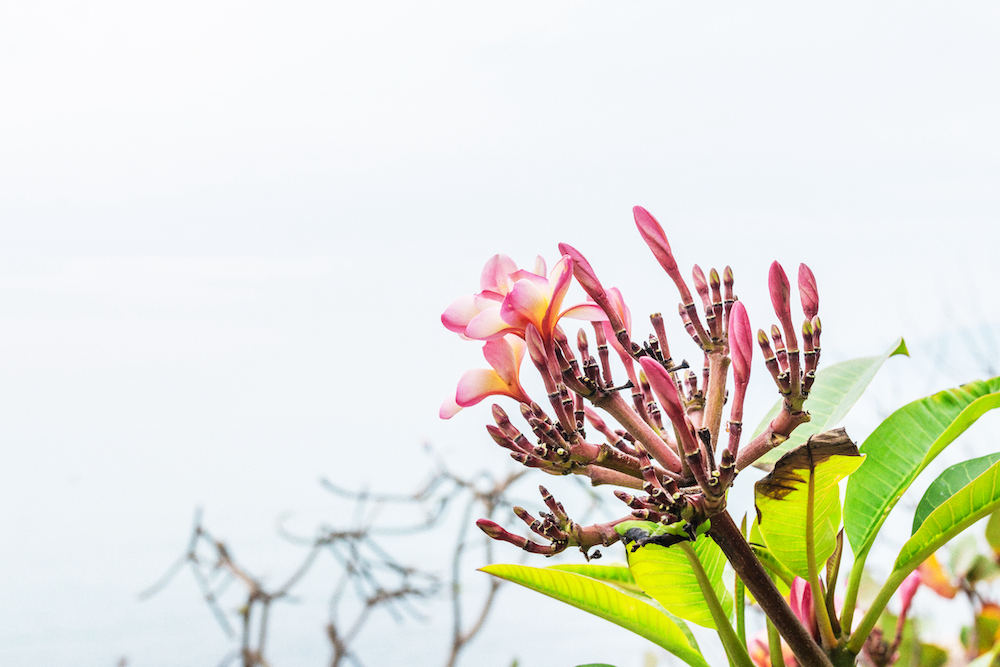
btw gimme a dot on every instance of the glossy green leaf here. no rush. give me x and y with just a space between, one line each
948 483
782 499
665 575
836 389
621 577
966 506
902 446
993 532
616 575
606 602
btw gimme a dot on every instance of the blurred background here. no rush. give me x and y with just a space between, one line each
230 229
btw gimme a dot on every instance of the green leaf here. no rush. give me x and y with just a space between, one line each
902 446
665 575
616 575
621 577
782 499
966 506
993 532
948 483
836 389
606 602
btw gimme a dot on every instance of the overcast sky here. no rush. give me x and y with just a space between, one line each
230 229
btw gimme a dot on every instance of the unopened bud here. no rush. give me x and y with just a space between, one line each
808 293
777 283
652 234
740 343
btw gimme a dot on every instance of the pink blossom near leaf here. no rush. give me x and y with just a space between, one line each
801 601
906 592
501 379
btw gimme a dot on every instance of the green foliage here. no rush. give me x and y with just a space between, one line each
902 446
948 483
665 575
782 499
966 506
836 389
607 602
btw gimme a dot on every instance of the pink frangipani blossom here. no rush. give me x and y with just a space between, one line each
503 378
495 282
532 299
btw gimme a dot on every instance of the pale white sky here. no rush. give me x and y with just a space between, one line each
230 229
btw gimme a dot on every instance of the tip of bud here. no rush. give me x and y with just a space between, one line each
762 337
499 416
520 512
652 234
491 528
727 276
536 346
583 272
740 342
713 279
777 283
808 292
817 325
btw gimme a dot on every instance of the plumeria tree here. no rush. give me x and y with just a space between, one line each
654 427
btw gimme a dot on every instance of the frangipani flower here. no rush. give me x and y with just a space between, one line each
496 281
533 299
800 599
503 378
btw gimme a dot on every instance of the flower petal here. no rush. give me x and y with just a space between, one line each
524 304
494 275
457 316
559 280
479 383
449 409
541 282
590 312
500 356
488 325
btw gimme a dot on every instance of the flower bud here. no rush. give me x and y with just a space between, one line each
652 234
808 293
740 343
777 283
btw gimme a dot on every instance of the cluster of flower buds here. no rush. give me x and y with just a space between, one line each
665 442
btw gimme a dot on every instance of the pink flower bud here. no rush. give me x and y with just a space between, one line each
906 592
583 271
777 283
808 293
536 347
652 234
801 601
740 343
664 387
491 528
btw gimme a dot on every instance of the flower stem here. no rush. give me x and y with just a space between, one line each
727 535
